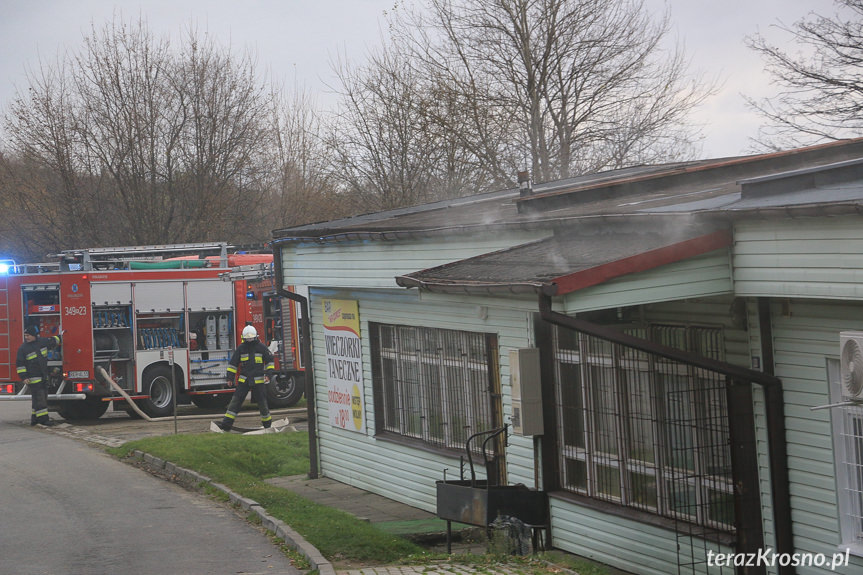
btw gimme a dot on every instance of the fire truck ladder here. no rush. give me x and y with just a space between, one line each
5 357
248 272
96 258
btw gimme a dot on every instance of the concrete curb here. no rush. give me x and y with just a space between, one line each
282 530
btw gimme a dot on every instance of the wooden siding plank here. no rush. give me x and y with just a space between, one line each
411 473
376 263
624 544
806 333
703 276
812 258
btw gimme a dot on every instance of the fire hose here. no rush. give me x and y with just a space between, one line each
146 417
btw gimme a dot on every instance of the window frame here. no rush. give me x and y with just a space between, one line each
416 369
849 498
627 367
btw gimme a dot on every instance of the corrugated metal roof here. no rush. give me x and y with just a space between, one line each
618 216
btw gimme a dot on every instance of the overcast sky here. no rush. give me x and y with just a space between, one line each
295 40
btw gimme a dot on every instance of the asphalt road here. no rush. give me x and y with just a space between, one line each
69 509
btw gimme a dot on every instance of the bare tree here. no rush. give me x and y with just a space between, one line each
562 87
384 149
469 92
144 143
301 187
24 235
820 89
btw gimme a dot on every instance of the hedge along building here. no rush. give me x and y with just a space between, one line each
686 319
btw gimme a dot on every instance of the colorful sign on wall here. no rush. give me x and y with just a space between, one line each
344 353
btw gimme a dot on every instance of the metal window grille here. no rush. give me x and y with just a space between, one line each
643 431
848 445
434 385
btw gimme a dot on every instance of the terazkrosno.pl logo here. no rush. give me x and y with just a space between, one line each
770 558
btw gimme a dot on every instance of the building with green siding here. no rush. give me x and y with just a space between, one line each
661 345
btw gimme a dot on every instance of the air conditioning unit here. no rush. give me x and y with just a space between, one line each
851 363
526 391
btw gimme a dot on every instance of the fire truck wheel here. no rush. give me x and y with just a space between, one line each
161 390
285 390
91 408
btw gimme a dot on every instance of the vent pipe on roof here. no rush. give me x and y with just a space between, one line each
524 188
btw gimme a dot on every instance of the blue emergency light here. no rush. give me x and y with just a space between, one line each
7 267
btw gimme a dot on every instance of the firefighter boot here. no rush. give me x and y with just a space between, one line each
223 425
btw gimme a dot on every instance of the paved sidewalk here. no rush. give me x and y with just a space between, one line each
429 570
362 504
391 516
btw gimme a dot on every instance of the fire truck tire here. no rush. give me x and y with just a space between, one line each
285 390
214 401
91 408
161 391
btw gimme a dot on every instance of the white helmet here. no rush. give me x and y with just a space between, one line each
250 333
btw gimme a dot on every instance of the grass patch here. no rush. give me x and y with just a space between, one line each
244 462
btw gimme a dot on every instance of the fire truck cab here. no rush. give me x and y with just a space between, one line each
158 322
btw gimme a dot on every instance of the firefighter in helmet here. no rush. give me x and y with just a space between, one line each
255 365
32 364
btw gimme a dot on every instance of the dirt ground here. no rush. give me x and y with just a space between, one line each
117 427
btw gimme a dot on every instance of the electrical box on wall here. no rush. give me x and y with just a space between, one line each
526 391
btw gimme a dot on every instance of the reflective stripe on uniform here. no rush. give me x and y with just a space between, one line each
34 380
259 358
32 355
260 379
232 369
270 365
22 369
267 417
230 415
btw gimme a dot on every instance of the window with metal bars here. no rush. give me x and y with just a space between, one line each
848 454
433 385
643 431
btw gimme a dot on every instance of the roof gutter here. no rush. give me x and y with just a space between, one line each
773 397
473 288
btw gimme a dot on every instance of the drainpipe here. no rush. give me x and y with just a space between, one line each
775 407
306 350
773 398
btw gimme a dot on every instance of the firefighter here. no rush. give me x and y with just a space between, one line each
256 366
32 363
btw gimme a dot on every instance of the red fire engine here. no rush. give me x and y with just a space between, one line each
161 321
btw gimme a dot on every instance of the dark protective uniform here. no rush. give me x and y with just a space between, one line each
255 364
32 364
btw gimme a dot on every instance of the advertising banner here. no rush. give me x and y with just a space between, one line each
344 352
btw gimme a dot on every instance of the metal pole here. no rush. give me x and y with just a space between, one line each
173 386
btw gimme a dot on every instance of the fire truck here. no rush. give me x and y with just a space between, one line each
159 322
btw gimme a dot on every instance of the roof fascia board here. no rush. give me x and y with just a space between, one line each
642 262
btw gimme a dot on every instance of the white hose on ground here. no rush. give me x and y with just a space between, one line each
143 415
